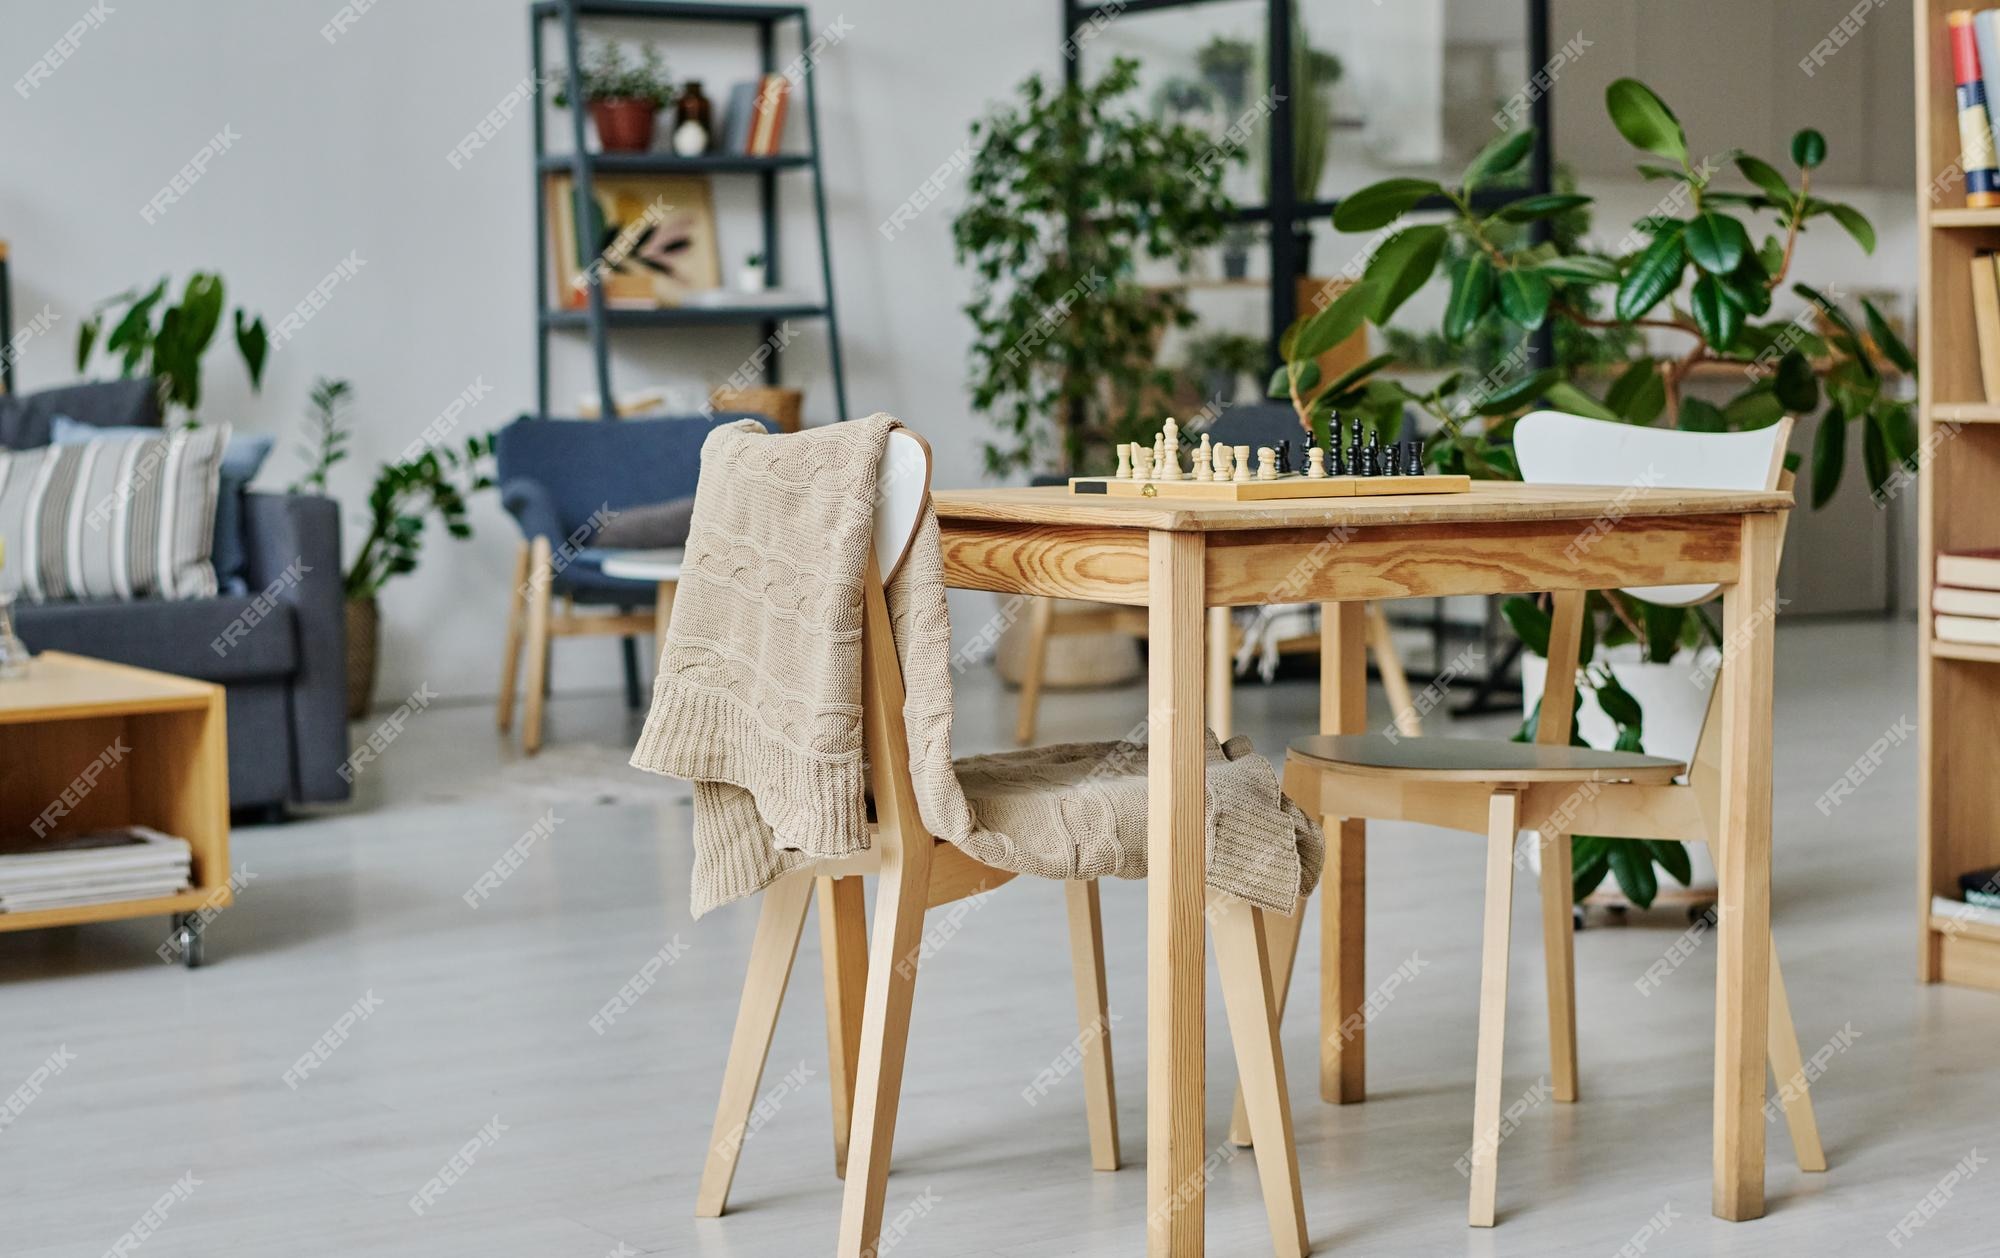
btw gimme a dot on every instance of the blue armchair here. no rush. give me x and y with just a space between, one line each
559 479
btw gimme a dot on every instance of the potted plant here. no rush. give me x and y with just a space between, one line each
1220 360
1068 192
750 277
624 96
166 339
1225 62
405 495
1693 280
1236 242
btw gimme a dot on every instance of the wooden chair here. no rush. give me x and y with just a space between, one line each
1497 788
918 872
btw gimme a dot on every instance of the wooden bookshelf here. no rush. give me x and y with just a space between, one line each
1958 688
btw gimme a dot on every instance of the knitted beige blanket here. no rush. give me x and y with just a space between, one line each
758 700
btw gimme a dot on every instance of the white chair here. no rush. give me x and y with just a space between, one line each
1498 787
918 873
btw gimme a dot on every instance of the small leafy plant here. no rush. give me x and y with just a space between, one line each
405 496
327 433
165 339
609 73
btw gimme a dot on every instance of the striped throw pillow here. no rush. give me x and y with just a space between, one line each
119 518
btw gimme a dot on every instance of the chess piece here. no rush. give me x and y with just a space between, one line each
1170 447
1336 462
1143 469
1239 461
1415 464
1124 461
1354 460
1371 456
1284 458
1315 464
1267 463
1218 459
1202 466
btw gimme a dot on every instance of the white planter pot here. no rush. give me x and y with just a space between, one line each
750 279
1674 697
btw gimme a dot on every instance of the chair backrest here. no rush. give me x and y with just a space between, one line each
587 465
1559 449
901 486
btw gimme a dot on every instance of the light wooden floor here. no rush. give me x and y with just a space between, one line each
485 1013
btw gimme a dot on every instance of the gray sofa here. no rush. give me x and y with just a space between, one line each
286 682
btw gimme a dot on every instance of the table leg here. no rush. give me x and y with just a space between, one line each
1343 910
1176 895
1743 922
1221 672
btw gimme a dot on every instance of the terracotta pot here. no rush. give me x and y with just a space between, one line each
624 123
364 624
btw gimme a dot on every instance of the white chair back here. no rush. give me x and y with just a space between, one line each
1560 449
900 489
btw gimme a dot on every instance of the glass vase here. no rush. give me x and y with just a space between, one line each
13 651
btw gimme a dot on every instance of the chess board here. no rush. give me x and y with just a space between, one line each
1291 485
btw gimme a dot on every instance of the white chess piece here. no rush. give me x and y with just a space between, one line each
1315 464
1239 460
1170 442
1124 461
1144 468
1267 463
1202 466
1218 459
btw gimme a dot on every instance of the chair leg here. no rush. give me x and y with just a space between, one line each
1502 827
1093 1020
1249 995
779 922
1281 940
843 951
539 594
1343 972
1788 1068
1395 682
1559 959
894 951
629 652
517 624
1041 619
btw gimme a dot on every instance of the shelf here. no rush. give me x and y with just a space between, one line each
1974 652
117 910
1969 929
683 316
673 9
675 164
1965 412
1960 216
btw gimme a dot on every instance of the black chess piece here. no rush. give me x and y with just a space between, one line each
1392 459
1284 458
1415 465
1371 458
1336 463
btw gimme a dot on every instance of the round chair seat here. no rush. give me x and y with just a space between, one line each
644 565
1482 760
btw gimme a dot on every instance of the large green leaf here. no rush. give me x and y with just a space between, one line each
1899 440
1640 376
1719 318
1632 866
1796 383
1856 223
1886 340
1354 375
86 338
1530 621
1380 204
1511 397
1618 703
1700 415
255 346
1755 407
1342 317
1644 119
1663 630
1766 177
1499 157
1874 456
1829 456
1717 242
1656 273
1673 857
1524 297
1584 267
1546 205
1565 396
1401 266
1471 296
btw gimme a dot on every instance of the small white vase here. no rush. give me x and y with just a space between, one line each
750 279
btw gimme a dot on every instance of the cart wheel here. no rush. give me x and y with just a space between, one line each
1697 912
1576 917
187 936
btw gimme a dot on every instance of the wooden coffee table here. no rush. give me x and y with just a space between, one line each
86 745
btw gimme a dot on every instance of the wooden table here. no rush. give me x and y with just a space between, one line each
1177 558
170 771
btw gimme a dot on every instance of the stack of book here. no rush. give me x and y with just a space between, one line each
755 126
1981 889
1965 602
126 863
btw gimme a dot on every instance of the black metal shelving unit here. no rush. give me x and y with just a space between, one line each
597 320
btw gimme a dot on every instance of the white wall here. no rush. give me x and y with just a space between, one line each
343 148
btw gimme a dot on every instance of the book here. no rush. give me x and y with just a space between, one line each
1986 322
1981 887
1959 910
738 117
1953 601
768 126
1970 569
1986 34
1970 629
1976 153
92 867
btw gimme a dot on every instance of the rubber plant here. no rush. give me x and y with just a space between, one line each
1068 192
1693 284
165 339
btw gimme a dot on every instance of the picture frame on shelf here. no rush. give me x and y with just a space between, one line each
651 236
